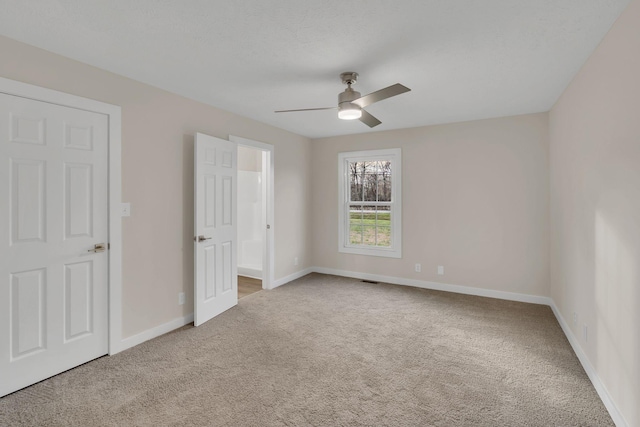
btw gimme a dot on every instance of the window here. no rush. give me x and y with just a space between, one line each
370 203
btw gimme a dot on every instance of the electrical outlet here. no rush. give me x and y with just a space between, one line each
125 209
441 270
585 333
181 298
295 261
418 268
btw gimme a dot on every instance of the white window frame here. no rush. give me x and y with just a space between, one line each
394 155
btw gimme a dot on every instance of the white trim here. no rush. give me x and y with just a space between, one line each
115 232
251 143
467 290
250 272
269 252
155 332
395 155
602 391
617 417
181 321
293 276
114 114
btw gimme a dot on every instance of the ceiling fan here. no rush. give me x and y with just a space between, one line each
351 103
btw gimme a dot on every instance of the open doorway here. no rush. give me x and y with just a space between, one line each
254 213
251 219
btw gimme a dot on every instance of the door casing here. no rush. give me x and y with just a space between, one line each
268 247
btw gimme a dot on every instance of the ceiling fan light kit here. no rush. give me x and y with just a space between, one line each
351 103
349 112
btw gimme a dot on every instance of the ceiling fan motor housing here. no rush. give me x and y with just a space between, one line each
346 109
348 95
346 98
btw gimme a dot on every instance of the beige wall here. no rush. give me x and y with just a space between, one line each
475 200
541 204
157 179
595 210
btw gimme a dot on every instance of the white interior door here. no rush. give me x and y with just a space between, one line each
53 211
216 280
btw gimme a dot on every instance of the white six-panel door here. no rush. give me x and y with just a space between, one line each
216 281
53 211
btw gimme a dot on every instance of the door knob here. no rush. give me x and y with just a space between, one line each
201 238
99 247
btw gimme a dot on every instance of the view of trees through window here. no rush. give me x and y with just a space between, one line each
370 200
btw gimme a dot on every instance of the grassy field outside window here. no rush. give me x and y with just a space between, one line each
370 228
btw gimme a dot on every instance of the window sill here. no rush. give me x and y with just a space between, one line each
386 253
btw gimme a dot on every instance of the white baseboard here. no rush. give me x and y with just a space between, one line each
291 277
250 272
467 290
155 332
180 322
617 417
602 391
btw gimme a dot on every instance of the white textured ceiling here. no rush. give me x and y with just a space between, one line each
463 59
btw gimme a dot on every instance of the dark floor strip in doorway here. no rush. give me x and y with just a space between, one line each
248 286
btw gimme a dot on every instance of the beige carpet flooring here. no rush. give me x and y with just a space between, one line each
331 351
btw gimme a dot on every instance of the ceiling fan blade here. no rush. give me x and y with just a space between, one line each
381 94
306 109
369 120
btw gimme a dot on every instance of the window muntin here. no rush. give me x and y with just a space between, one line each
369 208
370 181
